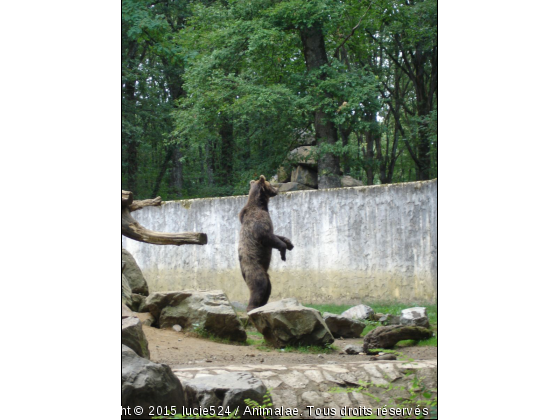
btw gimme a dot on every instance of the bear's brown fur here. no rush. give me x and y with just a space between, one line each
256 241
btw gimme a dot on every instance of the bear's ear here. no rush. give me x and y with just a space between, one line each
252 182
262 179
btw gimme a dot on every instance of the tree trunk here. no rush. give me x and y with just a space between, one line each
177 171
369 158
315 55
226 133
163 169
175 84
345 135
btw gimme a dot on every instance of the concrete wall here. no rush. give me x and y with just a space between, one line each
352 245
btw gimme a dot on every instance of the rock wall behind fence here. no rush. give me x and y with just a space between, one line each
352 245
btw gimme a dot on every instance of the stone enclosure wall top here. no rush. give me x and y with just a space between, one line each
351 245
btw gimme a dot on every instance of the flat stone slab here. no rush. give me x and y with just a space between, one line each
226 389
327 386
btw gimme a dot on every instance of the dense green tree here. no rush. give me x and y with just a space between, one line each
217 92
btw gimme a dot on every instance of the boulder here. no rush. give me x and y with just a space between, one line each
145 384
377 316
341 326
283 174
133 336
305 175
348 181
138 303
387 336
360 312
303 155
390 319
293 186
224 390
125 311
126 293
134 274
288 323
208 311
351 349
415 316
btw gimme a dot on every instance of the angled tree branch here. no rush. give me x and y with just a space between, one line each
353 30
134 230
391 56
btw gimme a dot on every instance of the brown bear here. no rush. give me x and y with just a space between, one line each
256 241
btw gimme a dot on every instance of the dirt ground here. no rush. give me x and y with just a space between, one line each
180 349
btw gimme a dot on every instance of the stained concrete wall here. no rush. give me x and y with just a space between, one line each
352 245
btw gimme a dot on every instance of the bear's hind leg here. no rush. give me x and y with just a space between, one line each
268 290
259 287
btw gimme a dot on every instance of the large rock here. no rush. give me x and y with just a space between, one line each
415 316
292 186
360 312
288 323
305 175
304 155
348 181
125 311
126 292
145 384
341 326
134 274
351 349
283 174
133 336
390 319
193 310
224 390
139 303
387 336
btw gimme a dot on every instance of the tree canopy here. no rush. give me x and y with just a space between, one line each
215 93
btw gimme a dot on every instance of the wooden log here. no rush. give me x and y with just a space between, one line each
140 204
133 230
127 198
386 337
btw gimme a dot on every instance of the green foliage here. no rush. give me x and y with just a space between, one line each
216 92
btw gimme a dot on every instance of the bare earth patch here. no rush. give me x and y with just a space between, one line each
179 349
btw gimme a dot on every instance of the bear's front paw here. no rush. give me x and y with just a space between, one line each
289 245
283 254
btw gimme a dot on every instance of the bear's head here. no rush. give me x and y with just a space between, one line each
263 188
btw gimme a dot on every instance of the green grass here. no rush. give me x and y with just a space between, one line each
393 308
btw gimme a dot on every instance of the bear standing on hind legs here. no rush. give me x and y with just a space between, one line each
256 241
